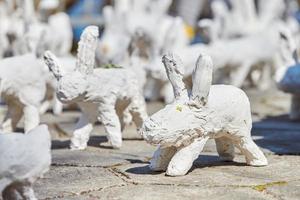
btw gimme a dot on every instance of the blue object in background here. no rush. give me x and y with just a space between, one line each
297 16
197 39
83 9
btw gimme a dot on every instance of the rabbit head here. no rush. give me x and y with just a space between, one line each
72 85
181 121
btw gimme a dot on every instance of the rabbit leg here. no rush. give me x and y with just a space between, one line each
44 106
254 156
57 106
81 135
183 159
241 74
161 158
138 111
295 107
266 79
31 117
110 120
225 148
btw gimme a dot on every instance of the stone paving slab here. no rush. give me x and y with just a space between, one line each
291 190
167 192
64 182
131 152
208 170
209 179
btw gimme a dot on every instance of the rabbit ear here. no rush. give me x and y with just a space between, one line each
202 80
108 15
54 66
175 33
28 12
175 72
122 6
160 7
87 50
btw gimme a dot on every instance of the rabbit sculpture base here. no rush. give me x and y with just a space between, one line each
182 128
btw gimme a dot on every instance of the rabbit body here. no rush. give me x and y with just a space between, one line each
182 128
23 87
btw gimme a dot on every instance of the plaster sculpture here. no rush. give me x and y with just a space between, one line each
22 88
287 76
23 159
288 81
147 18
34 41
175 39
61 42
225 36
124 19
181 129
3 28
57 28
52 32
230 23
232 67
99 96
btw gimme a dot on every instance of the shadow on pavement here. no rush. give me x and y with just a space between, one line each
201 162
278 134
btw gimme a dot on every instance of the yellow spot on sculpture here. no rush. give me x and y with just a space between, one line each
179 108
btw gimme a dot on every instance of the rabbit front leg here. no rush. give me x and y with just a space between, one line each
241 74
183 159
110 120
161 158
44 106
81 135
31 117
57 106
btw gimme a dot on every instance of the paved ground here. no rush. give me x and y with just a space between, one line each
104 173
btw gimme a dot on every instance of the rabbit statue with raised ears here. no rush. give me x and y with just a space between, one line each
102 94
181 129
